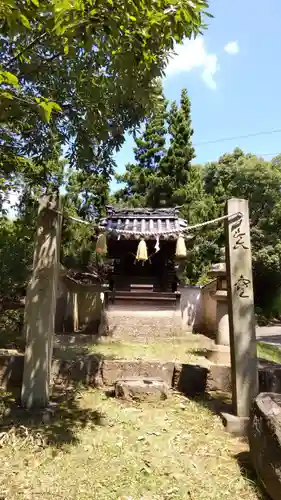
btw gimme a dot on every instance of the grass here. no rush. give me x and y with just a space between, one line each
163 351
100 448
269 352
189 350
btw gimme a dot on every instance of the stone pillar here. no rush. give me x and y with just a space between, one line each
41 305
244 370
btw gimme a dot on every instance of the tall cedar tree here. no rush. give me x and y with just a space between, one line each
141 177
175 171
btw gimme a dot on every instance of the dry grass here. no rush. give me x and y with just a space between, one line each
99 448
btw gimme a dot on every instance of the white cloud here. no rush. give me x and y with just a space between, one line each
232 48
193 54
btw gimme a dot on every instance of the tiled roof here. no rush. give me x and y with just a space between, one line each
146 222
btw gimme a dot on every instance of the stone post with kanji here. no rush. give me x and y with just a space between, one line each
41 305
244 371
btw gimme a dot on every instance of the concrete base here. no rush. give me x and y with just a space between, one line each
141 389
238 426
219 354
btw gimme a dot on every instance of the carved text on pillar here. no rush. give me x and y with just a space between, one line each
241 286
238 236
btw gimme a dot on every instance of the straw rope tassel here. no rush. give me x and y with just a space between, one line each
142 251
181 251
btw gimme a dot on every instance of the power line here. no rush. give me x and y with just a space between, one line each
225 139
267 154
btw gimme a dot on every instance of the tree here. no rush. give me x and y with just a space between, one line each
142 176
91 67
247 176
176 172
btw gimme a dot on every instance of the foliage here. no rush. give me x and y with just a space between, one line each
175 169
74 76
247 176
164 176
141 178
16 245
87 68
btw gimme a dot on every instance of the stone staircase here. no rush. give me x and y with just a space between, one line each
142 314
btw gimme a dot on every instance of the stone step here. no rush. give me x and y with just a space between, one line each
141 389
144 305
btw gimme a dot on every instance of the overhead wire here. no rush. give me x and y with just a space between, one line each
245 136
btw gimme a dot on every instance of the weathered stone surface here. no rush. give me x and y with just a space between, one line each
141 389
242 329
270 378
113 370
86 369
190 379
143 328
219 378
95 371
265 441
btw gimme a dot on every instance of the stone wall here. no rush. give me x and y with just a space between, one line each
84 315
197 313
191 307
97 371
198 308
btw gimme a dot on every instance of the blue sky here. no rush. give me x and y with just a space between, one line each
233 77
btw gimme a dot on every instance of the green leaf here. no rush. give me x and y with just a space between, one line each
25 21
45 111
8 78
55 106
46 108
35 2
7 95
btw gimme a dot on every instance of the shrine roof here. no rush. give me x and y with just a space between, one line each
144 221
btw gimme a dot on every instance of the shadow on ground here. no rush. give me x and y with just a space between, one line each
220 402
217 402
247 470
59 424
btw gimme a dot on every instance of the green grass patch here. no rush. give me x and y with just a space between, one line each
269 352
190 349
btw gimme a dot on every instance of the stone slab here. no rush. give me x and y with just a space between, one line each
113 370
219 354
141 389
238 426
265 441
